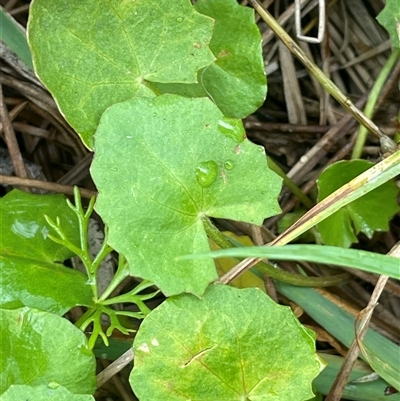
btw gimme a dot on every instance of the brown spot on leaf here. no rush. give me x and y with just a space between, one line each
224 53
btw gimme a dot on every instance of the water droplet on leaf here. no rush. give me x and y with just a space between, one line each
228 164
232 128
25 228
144 348
91 281
206 173
53 385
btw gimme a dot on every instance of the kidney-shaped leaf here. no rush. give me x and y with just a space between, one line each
42 348
108 51
367 214
30 262
51 392
235 81
230 345
161 165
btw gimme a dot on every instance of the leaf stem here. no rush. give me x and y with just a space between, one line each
372 99
83 219
103 252
152 87
303 198
121 273
82 252
278 274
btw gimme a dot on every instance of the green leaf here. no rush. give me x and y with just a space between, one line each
230 345
117 346
151 168
341 228
103 52
50 392
363 260
235 81
39 348
389 18
370 391
31 267
14 37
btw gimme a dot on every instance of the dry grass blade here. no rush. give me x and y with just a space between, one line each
291 87
115 367
11 140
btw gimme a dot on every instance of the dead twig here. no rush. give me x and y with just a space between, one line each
47 186
115 367
11 140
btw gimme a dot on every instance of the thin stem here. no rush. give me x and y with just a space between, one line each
85 319
83 221
372 100
63 240
129 298
304 199
215 234
265 268
152 87
121 273
104 251
83 254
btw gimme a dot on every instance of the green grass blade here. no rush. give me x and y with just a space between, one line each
369 391
363 260
387 371
340 324
372 100
13 36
